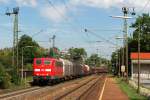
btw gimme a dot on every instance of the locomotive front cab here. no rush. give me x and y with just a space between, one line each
42 69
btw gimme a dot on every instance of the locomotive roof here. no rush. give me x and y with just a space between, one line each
47 58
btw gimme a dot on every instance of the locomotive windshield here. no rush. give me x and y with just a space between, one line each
47 62
59 64
38 62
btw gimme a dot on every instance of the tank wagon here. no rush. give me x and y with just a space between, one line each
48 70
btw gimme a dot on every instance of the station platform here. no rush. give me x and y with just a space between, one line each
111 91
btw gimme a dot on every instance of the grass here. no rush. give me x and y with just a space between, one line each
14 87
22 85
131 92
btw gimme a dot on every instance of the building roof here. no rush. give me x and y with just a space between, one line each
143 56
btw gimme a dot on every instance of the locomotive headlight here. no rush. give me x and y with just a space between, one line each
36 70
48 70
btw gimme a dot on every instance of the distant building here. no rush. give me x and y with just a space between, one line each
144 63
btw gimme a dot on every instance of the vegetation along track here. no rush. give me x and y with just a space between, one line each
81 90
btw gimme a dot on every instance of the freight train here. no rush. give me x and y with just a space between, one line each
51 70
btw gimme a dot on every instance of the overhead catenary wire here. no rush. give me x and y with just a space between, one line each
35 34
75 28
66 6
64 2
146 4
66 19
93 33
58 11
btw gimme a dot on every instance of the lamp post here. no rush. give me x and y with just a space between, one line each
120 53
23 60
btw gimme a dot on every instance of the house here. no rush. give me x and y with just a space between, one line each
144 59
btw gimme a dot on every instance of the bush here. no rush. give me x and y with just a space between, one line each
15 77
28 66
5 79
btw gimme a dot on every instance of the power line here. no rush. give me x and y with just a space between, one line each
65 18
93 33
147 3
58 11
36 33
66 6
107 30
52 5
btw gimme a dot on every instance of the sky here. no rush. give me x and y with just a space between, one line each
68 19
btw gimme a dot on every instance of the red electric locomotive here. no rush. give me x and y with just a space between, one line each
46 69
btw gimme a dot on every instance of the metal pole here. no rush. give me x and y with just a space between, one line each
126 28
25 78
13 62
138 89
119 63
17 41
22 66
125 11
49 46
53 40
22 69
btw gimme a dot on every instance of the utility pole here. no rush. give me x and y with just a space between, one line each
22 58
49 46
53 42
139 66
125 11
119 62
15 12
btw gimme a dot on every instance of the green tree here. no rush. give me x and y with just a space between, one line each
114 58
31 49
6 57
142 23
96 61
93 60
77 54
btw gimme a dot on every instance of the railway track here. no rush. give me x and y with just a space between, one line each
80 91
35 93
18 93
74 89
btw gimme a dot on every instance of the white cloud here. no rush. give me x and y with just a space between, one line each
56 14
138 4
97 3
31 3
